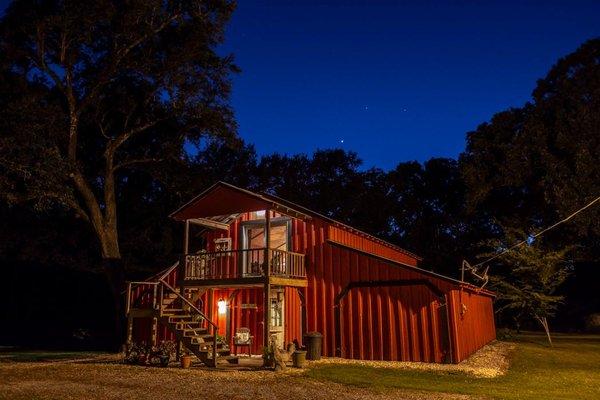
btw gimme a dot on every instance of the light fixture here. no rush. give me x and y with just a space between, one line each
222 305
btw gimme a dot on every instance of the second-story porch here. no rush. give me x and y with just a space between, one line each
246 266
238 238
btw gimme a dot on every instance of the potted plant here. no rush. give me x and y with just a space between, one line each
132 353
143 354
268 355
163 352
222 340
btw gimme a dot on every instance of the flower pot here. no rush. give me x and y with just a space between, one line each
186 361
299 358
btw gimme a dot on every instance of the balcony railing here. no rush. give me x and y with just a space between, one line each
247 263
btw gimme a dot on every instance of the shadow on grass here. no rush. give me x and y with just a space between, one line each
44 356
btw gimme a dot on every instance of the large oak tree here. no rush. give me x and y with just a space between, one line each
92 89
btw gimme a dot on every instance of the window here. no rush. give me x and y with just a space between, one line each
276 313
253 237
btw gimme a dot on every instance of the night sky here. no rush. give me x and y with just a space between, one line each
393 81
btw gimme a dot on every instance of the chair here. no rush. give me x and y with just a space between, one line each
242 338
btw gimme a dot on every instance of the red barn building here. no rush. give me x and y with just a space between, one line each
280 270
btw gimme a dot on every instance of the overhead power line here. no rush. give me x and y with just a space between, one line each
484 276
540 233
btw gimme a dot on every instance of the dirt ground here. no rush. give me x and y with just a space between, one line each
76 380
103 377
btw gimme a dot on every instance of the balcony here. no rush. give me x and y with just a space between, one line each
247 266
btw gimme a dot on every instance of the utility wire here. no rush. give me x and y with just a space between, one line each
538 234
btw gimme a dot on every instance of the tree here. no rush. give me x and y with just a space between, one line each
527 278
96 88
536 164
426 203
322 182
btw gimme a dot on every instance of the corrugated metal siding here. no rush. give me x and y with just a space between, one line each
389 323
473 328
293 316
250 318
360 242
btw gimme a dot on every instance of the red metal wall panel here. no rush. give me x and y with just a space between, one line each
472 320
363 243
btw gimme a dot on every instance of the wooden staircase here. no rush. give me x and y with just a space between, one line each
178 313
190 328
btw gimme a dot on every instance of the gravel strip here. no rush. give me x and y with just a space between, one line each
489 362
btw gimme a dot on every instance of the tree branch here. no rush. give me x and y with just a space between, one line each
120 56
129 163
123 137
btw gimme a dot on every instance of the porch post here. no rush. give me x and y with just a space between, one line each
186 237
129 329
181 278
267 273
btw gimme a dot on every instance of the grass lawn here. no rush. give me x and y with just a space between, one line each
570 370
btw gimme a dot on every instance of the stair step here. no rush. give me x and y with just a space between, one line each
173 311
196 332
200 341
180 318
180 326
222 352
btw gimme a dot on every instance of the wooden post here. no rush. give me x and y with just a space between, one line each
186 237
267 273
129 328
181 278
128 299
154 331
211 304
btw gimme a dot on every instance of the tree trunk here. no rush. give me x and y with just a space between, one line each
544 322
112 266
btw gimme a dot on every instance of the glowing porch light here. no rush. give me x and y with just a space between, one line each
222 305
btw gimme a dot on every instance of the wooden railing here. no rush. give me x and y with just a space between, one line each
287 264
245 263
141 295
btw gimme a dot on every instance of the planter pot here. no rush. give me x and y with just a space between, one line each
299 358
268 362
186 361
164 361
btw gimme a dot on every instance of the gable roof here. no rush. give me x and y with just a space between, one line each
224 199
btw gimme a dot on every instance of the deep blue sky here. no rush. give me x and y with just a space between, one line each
394 81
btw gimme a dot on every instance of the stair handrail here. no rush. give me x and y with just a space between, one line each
189 303
215 326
